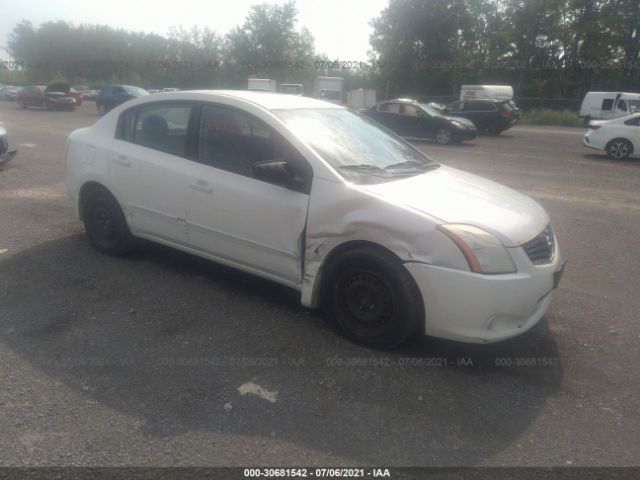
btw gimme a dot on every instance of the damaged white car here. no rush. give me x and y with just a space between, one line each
311 195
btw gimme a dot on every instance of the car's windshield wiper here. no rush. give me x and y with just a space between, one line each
412 164
362 167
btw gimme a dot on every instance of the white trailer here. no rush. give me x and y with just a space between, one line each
486 92
361 98
262 84
608 105
330 89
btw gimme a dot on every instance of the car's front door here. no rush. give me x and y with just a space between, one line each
147 166
236 217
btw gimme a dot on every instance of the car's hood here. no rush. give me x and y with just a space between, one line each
454 196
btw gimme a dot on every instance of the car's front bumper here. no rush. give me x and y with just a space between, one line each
476 308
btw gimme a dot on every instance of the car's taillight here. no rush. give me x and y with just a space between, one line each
505 114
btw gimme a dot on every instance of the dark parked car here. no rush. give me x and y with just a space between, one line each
411 119
113 95
40 96
490 116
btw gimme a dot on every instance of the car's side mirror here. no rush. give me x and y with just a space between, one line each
274 171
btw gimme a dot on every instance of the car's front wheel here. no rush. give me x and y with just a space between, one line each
105 223
619 149
444 136
372 299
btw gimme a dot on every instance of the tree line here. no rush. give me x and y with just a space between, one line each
544 48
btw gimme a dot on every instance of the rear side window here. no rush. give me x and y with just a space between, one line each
160 127
390 107
410 110
607 104
479 107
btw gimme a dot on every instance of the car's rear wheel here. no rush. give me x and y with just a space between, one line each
619 149
372 299
105 223
101 109
44 105
444 136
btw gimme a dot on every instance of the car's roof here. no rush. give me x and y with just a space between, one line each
266 100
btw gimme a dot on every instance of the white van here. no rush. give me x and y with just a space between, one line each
608 105
486 92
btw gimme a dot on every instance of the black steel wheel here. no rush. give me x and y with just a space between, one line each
105 223
372 299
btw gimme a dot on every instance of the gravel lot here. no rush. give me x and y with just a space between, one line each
161 358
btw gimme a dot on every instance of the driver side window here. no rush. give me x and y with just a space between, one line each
234 141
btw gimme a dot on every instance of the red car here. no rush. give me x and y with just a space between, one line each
45 98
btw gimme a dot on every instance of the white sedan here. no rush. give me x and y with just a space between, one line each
313 196
620 137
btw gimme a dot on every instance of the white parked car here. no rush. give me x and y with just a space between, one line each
620 138
313 196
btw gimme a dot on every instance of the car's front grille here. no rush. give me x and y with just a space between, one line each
540 250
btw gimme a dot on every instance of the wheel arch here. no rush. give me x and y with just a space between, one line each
312 291
88 187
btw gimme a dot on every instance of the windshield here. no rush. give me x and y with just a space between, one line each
358 148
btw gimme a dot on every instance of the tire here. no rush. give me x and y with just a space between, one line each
586 121
101 109
619 149
372 299
444 136
44 105
21 103
105 223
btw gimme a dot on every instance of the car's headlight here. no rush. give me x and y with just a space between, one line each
483 251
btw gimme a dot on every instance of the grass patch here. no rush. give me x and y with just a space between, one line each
546 116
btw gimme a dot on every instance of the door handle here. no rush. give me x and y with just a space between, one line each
122 160
201 186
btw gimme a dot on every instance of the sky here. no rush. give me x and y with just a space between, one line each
340 27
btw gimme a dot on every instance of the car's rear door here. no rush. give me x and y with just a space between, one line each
388 114
483 114
235 217
147 165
